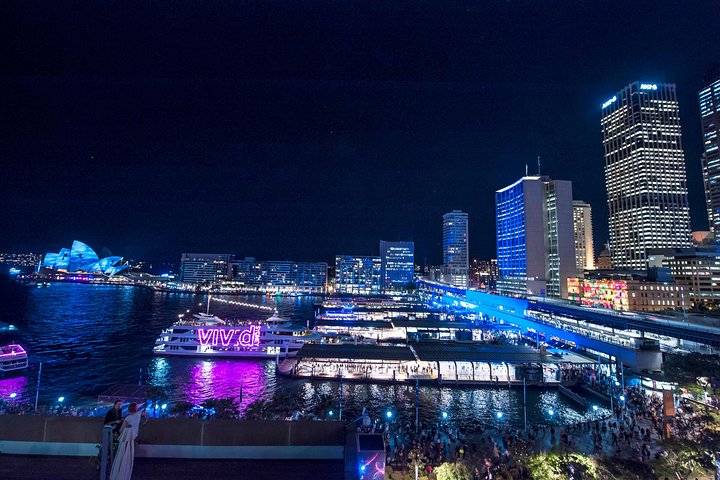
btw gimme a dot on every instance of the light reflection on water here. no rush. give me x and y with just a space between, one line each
92 336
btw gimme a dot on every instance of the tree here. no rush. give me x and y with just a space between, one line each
417 458
453 471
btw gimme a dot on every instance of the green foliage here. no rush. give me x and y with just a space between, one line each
684 460
225 408
453 471
555 466
685 369
180 408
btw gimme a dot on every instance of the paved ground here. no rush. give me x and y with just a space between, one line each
16 467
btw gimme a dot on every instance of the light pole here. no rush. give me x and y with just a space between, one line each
37 388
417 394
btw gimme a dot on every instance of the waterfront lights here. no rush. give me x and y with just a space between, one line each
61 399
13 395
595 408
499 414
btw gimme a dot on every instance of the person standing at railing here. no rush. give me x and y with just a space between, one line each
125 457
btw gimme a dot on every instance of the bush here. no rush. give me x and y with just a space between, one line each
453 471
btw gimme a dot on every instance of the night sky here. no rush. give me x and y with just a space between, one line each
300 130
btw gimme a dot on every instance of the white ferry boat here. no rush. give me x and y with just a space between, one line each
12 358
210 336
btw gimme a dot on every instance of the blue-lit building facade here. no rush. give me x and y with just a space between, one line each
535 237
80 258
397 265
358 275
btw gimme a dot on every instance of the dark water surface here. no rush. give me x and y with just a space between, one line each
92 336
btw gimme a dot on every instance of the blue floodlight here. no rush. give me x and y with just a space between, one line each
595 407
331 413
389 414
622 398
13 395
444 414
551 412
163 406
617 384
362 468
499 414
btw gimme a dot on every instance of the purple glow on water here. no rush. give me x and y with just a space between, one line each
227 379
13 385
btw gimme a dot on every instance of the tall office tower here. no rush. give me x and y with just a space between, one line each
710 160
455 249
535 237
584 246
397 260
644 173
205 267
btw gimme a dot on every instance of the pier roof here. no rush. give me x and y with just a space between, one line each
356 352
430 323
480 352
353 323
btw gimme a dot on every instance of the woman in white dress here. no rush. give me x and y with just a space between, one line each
125 456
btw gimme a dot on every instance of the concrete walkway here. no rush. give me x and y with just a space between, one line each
17 467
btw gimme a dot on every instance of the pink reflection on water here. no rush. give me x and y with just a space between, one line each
226 379
13 385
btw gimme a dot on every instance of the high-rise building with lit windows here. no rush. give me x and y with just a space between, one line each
535 237
456 260
644 173
710 160
359 275
397 264
584 245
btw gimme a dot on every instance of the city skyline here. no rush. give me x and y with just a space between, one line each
340 148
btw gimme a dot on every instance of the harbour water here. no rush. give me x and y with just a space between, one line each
92 336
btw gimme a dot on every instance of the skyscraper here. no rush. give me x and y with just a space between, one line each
397 261
535 237
710 160
584 245
455 248
644 173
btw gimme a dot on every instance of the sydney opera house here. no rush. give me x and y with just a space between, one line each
80 258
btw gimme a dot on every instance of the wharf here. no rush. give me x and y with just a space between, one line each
462 364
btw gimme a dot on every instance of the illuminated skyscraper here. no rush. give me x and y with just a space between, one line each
710 120
584 245
397 264
644 173
359 275
455 248
535 237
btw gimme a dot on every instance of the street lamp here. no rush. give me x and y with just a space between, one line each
595 408
61 399
551 412
388 414
444 415
13 395
499 415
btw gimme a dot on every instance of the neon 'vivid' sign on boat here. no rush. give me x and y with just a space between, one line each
230 337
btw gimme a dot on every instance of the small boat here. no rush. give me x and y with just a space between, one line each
12 358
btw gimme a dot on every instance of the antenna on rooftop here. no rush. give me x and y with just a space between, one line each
526 169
